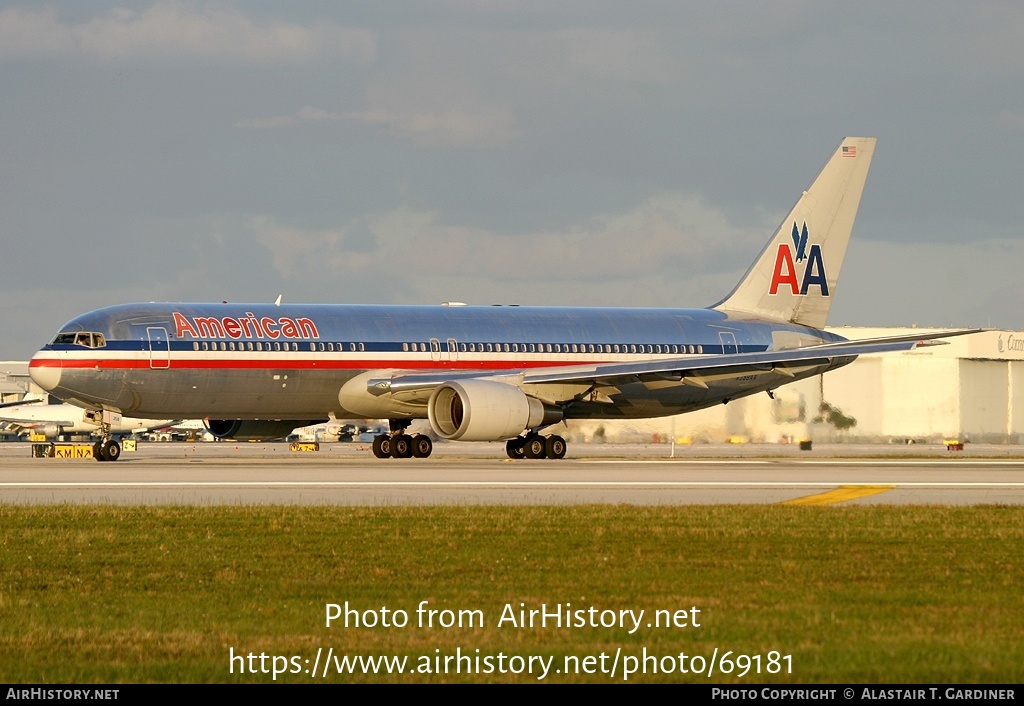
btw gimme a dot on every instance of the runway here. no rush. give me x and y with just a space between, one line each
475 474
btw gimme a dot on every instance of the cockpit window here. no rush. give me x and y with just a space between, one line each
82 338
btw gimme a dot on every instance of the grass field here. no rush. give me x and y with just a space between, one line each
860 594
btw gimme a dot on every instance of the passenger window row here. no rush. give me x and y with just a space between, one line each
655 348
635 348
268 346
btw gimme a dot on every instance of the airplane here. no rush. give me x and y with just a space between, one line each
478 373
183 430
53 420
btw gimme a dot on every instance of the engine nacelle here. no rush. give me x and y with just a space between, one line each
50 431
481 410
254 429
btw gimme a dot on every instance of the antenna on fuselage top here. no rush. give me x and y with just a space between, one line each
277 302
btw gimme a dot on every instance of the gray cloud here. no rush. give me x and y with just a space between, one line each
666 239
489 129
580 152
172 30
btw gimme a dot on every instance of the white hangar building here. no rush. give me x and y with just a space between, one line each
971 389
14 381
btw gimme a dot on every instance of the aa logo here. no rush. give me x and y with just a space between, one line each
787 260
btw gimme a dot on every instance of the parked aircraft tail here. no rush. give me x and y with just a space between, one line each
794 278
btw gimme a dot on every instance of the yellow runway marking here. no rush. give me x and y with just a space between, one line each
840 494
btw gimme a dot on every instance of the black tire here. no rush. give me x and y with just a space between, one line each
555 447
97 451
534 446
422 446
111 450
382 446
401 446
514 448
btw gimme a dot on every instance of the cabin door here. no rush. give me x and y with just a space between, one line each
728 340
159 348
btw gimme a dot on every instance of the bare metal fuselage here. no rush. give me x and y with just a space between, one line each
253 361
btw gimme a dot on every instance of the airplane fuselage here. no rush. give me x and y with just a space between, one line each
252 361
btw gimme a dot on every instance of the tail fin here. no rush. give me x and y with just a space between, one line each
794 277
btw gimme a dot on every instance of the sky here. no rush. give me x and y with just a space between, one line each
577 152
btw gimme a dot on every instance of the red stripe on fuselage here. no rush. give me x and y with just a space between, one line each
305 364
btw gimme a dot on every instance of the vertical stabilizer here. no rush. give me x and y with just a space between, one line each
794 278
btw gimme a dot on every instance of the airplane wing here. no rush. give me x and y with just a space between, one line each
44 415
19 403
29 423
415 388
737 363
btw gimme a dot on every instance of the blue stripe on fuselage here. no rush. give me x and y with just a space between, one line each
385 329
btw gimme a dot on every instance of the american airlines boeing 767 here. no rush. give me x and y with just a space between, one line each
477 373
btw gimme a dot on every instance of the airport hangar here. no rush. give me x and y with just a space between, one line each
971 389
15 382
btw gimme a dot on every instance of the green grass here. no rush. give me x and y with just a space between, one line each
862 594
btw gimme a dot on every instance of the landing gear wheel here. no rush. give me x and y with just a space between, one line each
534 446
514 447
111 450
554 447
422 446
97 451
382 446
401 446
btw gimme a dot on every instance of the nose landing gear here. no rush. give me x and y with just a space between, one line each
108 449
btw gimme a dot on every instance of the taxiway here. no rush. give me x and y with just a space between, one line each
345 474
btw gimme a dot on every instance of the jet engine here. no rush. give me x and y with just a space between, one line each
50 431
253 429
481 410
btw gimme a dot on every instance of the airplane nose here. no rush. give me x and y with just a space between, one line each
45 370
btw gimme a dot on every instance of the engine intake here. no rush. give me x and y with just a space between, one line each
481 410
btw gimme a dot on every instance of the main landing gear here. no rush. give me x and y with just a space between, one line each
108 449
534 445
398 444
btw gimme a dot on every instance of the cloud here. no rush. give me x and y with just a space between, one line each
306 114
464 129
973 283
619 55
1012 120
489 129
177 30
667 239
